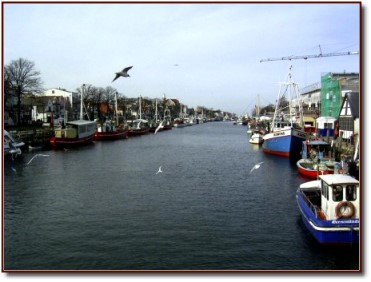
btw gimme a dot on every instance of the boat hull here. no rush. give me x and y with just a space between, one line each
70 142
138 132
256 139
285 142
341 231
114 135
311 173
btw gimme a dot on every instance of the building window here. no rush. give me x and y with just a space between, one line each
346 123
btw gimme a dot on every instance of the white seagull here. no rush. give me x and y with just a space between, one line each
123 73
35 156
159 127
256 166
159 170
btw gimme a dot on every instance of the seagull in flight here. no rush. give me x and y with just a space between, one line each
159 170
159 127
35 156
123 73
256 166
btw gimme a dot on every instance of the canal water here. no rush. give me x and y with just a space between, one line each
105 207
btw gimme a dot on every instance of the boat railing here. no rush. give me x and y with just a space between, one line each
316 209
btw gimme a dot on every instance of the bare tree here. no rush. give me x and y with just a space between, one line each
22 77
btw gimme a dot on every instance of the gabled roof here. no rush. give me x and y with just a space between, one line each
353 99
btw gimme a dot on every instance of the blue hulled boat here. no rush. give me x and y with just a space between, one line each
286 130
284 141
330 208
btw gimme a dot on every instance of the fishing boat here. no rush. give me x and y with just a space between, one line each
256 137
313 168
11 146
286 133
109 130
139 126
180 123
330 208
166 122
316 159
74 133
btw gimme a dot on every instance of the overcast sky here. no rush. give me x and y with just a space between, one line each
202 54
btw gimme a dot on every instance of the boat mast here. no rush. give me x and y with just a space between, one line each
156 112
140 107
117 118
81 104
295 87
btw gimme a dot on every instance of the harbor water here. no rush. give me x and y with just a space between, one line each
105 206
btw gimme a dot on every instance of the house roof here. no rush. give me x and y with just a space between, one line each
353 98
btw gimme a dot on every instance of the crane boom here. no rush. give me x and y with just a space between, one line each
309 56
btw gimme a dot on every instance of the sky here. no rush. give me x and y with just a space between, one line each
202 54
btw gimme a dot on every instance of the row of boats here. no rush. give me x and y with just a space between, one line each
330 202
80 132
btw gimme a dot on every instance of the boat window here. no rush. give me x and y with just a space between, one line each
337 193
324 190
351 192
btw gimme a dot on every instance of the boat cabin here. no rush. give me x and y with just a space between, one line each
107 126
339 196
315 148
76 129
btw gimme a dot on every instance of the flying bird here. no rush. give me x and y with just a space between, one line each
256 167
159 170
123 73
35 156
159 127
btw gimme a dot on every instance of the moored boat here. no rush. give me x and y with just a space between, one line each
75 133
109 129
11 146
312 168
139 127
110 133
286 134
179 123
285 141
330 208
256 137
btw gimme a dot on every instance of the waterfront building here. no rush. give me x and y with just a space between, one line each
334 86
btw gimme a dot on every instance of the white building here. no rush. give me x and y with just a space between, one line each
59 92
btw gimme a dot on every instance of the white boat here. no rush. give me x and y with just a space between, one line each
180 123
256 137
11 146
